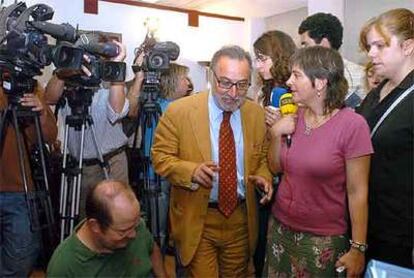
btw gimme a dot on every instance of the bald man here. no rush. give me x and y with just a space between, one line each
112 241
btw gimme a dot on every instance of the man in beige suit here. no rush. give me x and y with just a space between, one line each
212 148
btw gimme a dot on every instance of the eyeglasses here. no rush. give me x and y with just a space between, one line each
261 57
242 85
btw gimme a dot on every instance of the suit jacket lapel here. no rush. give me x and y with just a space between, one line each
200 123
247 135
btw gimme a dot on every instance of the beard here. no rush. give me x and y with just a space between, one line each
228 103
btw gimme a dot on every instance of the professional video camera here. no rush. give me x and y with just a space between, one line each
159 57
24 52
72 58
24 49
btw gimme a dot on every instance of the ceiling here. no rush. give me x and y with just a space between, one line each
238 8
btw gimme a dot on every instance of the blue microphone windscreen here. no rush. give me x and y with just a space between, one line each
277 92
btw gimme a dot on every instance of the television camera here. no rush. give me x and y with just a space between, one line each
24 49
24 52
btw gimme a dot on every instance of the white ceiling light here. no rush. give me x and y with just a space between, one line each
150 1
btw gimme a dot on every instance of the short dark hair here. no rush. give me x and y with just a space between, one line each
98 204
323 25
319 62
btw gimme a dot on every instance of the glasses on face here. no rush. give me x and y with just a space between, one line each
261 57
242 85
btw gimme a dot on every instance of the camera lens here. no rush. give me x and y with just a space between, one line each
156 61
110 71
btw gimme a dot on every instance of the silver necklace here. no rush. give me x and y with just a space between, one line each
308 130
310 127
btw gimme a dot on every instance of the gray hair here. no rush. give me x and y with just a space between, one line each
233 52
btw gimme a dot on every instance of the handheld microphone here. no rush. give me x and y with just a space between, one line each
287 107
275 95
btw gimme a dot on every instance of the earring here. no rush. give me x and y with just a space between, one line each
318 94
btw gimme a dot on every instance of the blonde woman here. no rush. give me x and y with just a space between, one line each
389 41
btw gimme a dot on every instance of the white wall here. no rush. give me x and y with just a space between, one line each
352 13
357 12
288 22
196 43
335 7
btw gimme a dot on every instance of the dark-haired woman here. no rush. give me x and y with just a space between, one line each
326 164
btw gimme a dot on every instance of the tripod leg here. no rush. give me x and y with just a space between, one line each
77 183
22 165
64 186
3 118
99 151
48 202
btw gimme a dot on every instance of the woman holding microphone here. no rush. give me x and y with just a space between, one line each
326 164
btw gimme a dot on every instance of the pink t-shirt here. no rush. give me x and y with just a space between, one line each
312 194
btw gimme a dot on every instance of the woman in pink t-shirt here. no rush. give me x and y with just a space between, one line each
326 164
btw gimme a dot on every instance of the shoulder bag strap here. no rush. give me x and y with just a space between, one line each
389 110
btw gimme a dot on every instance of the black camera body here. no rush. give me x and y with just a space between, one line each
70 60
24 49
101 70
158 59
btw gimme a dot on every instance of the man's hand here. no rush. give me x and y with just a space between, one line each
204 174
31 100
265 186
122 52
353 261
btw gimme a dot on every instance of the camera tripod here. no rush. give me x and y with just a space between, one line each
38 199
151 192
71 178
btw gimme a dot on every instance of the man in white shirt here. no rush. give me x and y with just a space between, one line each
326 30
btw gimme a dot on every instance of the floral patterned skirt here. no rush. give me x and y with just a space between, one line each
300 254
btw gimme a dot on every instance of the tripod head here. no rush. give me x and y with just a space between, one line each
150 93
79 99
15 82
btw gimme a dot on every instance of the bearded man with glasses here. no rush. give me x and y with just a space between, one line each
212 149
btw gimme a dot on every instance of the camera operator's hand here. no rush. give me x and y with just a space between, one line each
122 52
85 69
31 100
139 59
135 89
138 62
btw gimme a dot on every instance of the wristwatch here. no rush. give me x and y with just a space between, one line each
361 247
